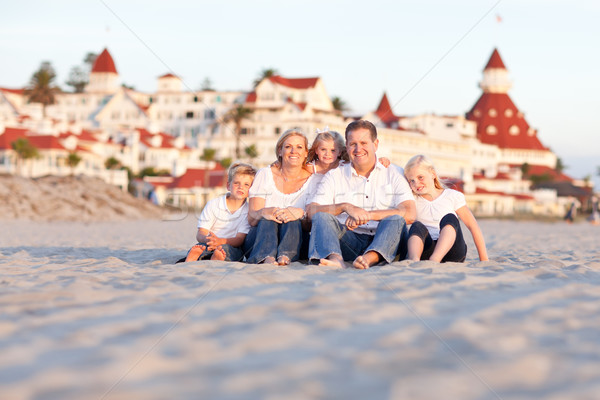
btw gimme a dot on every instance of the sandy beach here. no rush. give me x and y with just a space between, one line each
99 310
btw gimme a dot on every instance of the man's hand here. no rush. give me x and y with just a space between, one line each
359 215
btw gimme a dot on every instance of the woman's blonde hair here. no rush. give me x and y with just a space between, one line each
287 134
422 161
338 140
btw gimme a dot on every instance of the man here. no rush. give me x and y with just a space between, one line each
360 208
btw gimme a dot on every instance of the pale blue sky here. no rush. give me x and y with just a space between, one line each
427 55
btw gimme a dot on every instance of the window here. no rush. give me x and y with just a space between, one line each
189 114
492 112
244 131
209 113
195 99
277 130
491 130
508 113
514 130
477 113
449 125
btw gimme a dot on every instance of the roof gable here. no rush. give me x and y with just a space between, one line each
295 83
495 61
104 63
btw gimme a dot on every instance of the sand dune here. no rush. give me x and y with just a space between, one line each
99 310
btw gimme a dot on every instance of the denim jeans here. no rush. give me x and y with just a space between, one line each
270 239
231 253
329 237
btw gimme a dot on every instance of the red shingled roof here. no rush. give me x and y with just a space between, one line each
296 83
104 63
500 102
169 75
384 111
251 98
194 177
15 91
543 170
495 61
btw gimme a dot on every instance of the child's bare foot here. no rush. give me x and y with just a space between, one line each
333 260
283 260
367 260
195 252
219 254
269 260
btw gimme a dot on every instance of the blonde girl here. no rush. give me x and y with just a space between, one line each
436 234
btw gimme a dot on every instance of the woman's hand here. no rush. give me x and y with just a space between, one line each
289 214
271 213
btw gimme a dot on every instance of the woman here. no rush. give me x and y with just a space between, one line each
277 203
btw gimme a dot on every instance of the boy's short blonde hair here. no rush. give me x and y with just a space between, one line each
240 169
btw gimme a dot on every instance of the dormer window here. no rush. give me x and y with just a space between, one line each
531 131
492 112
491 130
477 113
508 113
514 130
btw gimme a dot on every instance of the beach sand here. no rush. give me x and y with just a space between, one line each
99 310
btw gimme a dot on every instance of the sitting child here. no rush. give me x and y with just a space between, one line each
436 234
223 223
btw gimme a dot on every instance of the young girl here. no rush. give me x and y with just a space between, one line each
436 234
327 150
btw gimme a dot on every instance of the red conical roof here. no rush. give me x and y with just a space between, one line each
501 123
104 63
495 61
384 111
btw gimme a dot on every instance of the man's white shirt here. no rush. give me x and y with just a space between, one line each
385 188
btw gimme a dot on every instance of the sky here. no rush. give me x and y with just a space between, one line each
428 56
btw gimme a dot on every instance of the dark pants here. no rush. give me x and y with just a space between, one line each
458 251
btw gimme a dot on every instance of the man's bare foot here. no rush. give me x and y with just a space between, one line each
333 260
269 260
195 252
367 260
219 254
283 260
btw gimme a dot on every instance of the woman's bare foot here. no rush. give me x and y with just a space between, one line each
283 260
269 260
333 260
219 254
367 260
195 252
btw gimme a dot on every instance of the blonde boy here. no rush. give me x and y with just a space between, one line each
223 223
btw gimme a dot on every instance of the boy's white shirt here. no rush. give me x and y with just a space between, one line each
217 218
430 213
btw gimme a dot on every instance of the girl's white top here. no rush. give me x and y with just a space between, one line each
430 213
264 187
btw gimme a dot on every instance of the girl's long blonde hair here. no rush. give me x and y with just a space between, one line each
422 161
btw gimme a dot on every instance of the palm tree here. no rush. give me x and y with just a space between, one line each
25 150
237 115
560 167
73 159
265 73
41 86
339 104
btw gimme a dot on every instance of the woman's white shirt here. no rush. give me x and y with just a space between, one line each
264 187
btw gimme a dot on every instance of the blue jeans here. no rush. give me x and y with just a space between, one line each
270 239
329 237
231 253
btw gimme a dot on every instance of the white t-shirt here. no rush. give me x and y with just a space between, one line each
264 187
430 213
217 218
385 188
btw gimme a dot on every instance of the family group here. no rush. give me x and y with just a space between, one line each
333 203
